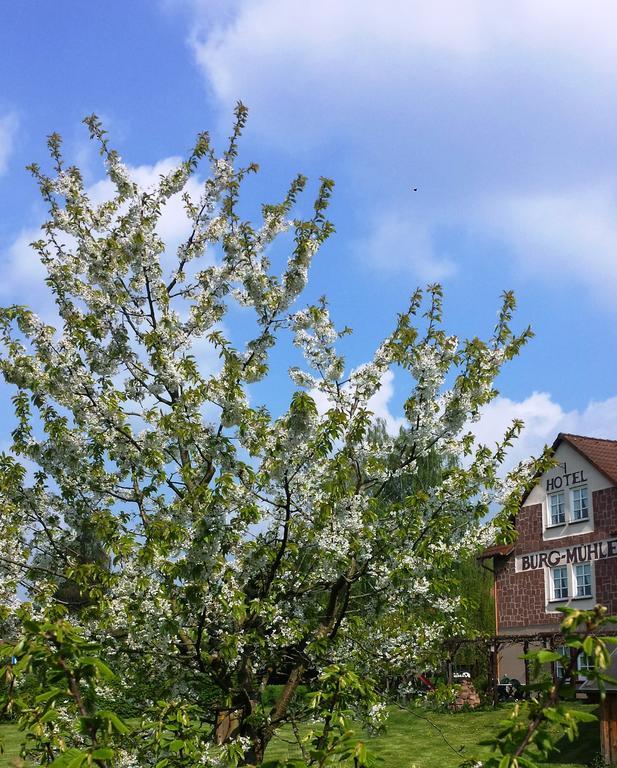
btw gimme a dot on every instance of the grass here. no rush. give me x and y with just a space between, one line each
420 738
443 740
11 741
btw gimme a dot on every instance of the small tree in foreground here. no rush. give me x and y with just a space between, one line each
532 733
231 550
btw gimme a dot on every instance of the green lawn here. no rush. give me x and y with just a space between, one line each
11 742
425 739
443 740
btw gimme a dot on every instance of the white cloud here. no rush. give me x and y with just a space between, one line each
8 129
22 268
475 100
399 242
284 55
564 236
544 419
23 276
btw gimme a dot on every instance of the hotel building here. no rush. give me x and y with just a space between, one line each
565 553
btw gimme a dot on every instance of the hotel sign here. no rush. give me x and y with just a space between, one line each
579 553
565 481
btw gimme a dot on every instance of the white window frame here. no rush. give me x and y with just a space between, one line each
584 664
567 505
575 580
554 596
572 585
562 505
573 491
560 666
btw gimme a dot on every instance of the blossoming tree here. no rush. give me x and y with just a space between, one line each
232 553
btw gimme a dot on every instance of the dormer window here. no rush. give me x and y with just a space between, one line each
580 505
557 506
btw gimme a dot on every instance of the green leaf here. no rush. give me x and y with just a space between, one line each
554 716
22 663
583 717
114 721
72 758
588 645
49 716
51 694
544 657
103 753
103 670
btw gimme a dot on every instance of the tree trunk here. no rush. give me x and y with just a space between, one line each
260 737
255 755
227 724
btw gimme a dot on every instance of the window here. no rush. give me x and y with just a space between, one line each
558 508
568 506
560 666
560 582
575 581
582 579
580 507
584 663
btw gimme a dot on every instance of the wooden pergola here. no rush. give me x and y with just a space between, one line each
550 640
493 644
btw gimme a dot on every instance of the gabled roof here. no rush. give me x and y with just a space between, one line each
601 453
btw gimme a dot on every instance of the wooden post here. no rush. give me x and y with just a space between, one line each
489 668
553 665
608 727
526 661
493 671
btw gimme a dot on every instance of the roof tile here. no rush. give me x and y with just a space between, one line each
601 453
497 550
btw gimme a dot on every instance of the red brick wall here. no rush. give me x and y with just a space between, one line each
520 596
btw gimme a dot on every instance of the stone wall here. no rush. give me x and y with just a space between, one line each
520 596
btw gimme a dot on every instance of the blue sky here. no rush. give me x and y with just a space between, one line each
501 115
